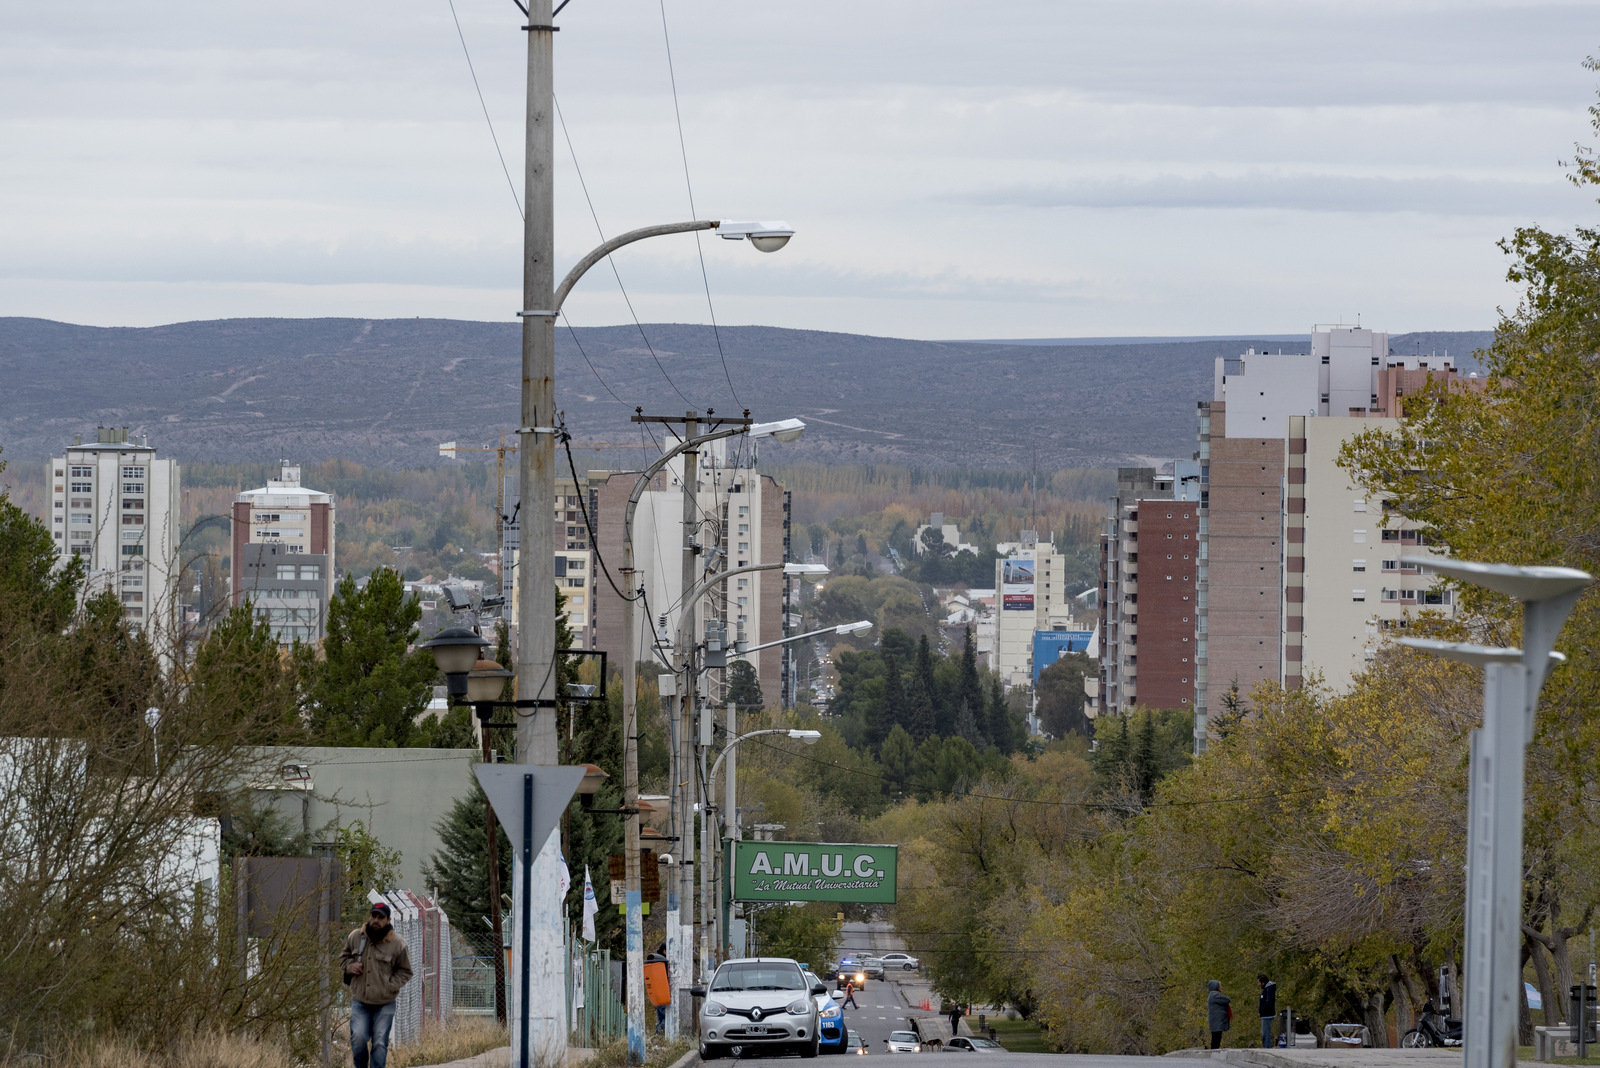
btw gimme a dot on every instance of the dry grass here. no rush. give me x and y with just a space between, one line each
466 1036
659 1053
213 1050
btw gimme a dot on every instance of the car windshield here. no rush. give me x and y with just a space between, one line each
902 1036
984 1043
732 978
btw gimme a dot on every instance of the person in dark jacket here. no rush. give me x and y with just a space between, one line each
1219 1012
1267 1007
379 964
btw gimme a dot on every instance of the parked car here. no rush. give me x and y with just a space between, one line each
759 1002
900 960
902 1042
850 971
873 967
830 1018
853 1043
961 1044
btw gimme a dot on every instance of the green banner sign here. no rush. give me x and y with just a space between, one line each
813 871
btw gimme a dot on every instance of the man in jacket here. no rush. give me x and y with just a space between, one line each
1267 1007
1219 1012
378 963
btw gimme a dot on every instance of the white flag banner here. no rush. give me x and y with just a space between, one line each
590 906
565 882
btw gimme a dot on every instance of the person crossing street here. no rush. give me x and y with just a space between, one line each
849 996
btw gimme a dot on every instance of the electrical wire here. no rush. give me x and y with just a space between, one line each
611 261
585 355
492 136
683 152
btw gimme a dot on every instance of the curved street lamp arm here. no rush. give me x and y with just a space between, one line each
617 242
712 777
665 458
788 640
700 589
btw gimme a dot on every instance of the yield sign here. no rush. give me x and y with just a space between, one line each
506 785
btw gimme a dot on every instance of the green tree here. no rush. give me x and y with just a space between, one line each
1007 734
368 690
808 933
921 717
240 670
969 699
368 865
744 688
892 710
1061 696
899 759
38 595
460 867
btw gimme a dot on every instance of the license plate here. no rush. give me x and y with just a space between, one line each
755 1030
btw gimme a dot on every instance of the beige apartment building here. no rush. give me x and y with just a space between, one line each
1030 595
283 542
1346 582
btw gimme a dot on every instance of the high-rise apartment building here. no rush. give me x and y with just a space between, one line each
741 518
1344 580
1247 531
574 559
1148 559
115 504
283 556
1030 595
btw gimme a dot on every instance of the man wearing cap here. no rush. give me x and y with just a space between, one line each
376 964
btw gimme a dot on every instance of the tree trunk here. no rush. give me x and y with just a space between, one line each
1524 1017
1534 948
1402 997
1376 1019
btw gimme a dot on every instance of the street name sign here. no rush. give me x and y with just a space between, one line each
814 871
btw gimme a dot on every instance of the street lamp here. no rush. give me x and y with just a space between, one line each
730 821
1512 679
765 236
783 430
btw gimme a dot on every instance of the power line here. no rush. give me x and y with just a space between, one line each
683 152
611 261
507 170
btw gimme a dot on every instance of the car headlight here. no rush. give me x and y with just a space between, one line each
861 977
713 1009
801 1007
831 1013
916 1049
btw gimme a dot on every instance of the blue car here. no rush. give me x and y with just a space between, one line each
830 1022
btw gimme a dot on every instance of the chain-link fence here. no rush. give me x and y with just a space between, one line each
595 1012
472 959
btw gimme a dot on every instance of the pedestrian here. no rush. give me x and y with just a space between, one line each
1267 1007
849 996
955 1021
376 965
1219 1012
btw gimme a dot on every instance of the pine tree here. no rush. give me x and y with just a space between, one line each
943 715
921 721
899 762
1001 729
969 698
460 868
744 688
368 690
891 711
1142 761
240 673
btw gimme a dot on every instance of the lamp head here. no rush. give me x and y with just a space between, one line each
765 236
809 737
486 681
803 570
783 430
853 628
455 649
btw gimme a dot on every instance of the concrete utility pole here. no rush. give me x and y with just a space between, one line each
536 635
682 949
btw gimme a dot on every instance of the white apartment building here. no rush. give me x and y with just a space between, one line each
115 504
1346 584
1030 595
283 556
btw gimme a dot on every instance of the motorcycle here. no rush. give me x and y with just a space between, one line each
1433 1029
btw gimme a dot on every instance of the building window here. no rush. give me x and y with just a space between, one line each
80 472
133 487
133 520
1391 535
1358 595
82 487
1324 398
1361 505
1360 536
744 546
133 472
137 506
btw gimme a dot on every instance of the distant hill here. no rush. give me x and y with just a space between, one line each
387 391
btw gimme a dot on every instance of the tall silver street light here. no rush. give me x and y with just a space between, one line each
808 736
782 430
1512 680
680 943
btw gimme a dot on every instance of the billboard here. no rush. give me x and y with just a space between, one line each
1049 645
813 871
1016 584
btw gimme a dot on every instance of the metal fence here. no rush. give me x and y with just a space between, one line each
429 999
595 1012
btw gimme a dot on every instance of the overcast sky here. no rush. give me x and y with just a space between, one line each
1031 168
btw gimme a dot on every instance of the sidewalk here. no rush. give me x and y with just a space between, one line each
1335 1058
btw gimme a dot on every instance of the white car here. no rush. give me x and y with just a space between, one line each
902 1042
758 1002
903 961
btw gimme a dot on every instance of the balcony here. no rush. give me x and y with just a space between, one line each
1130 588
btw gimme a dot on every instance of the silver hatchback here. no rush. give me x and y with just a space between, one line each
759 1002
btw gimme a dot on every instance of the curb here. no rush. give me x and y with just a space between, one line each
688 1060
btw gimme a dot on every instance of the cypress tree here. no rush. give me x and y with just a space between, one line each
891 711
969 698
1001 730
921 722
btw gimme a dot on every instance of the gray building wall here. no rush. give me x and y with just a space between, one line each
399 794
